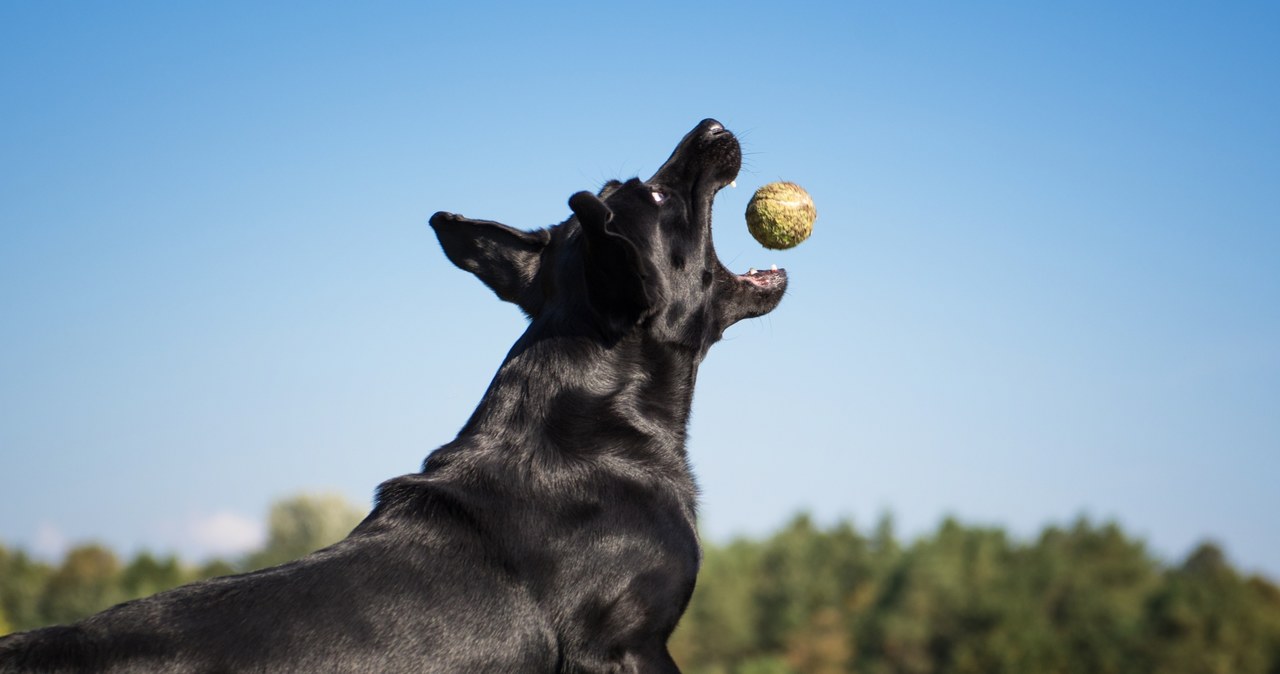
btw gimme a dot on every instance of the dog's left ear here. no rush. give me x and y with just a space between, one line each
504 258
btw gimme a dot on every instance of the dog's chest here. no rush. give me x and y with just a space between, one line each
627 593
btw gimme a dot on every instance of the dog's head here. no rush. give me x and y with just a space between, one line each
638 255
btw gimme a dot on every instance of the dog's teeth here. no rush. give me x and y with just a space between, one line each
733 183
774 267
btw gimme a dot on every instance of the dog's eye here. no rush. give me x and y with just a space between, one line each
658 196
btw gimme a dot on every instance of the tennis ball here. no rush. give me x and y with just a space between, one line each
780 215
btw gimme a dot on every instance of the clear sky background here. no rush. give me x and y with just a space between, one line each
1044 281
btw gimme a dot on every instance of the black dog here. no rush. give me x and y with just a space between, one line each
556 533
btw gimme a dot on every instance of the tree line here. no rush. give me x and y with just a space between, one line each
1080 599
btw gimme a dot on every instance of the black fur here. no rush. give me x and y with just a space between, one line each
556 532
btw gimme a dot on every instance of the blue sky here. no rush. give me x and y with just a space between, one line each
1043 281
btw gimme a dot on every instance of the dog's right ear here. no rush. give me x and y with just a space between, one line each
504 258
618 276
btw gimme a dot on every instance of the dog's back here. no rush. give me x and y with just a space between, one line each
373 602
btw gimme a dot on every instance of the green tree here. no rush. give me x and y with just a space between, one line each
22 582
823 646
1095 583
939 599
87 581
303 524
1207 619
146 575
804 572
212 569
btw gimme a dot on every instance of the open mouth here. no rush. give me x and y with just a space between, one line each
711 157
765 279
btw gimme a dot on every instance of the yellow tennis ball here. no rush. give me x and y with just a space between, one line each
780 215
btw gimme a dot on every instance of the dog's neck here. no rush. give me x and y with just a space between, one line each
576 396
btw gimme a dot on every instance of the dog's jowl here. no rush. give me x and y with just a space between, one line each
556 532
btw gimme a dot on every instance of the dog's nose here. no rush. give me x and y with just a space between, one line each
711 127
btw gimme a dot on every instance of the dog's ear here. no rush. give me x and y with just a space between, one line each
504 258
619 277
